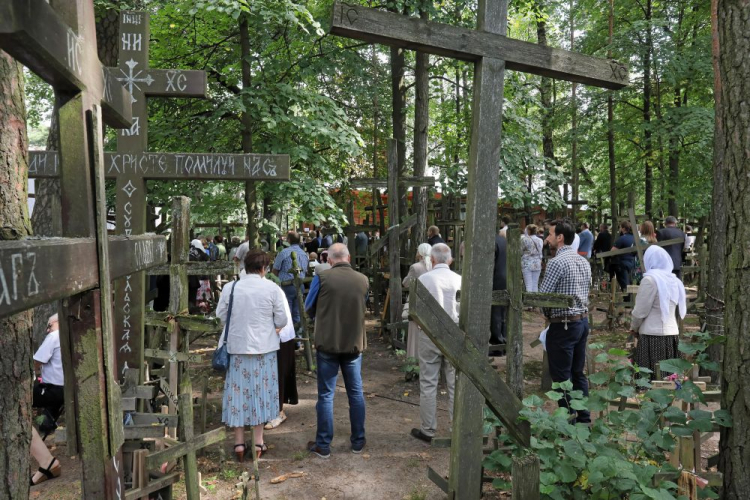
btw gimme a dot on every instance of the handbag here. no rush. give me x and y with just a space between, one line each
220 361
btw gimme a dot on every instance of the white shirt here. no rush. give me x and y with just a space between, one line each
257 311
49 355
443 284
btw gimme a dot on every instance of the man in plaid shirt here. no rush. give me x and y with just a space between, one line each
570 274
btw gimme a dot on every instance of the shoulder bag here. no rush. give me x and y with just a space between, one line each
220 361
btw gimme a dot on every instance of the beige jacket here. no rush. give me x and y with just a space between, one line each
646 315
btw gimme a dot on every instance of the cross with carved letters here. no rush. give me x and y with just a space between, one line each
492 52
57 42
133 164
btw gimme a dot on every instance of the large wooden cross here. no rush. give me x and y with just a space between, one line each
59 45
132 165
492 52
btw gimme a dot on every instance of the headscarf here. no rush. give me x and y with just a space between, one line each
196 243
659 266
424 251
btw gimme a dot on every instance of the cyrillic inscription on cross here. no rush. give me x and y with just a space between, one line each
60 46
491 51
132 165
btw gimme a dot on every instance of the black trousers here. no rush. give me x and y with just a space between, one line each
498 325
49 397
566 352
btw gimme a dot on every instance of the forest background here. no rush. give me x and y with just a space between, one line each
278 83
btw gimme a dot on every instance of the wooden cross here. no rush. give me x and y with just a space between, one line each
60 46
132 165
492 52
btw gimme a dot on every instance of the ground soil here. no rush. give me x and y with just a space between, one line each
393 464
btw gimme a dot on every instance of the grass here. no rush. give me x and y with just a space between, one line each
412 463
228 474
300 455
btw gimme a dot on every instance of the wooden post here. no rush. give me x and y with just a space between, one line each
514 313
525 480
307 339
394 250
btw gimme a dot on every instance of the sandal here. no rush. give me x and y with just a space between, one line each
240 454
51 472
261 448
276 422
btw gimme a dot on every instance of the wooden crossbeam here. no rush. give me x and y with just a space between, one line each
172 356
400 229
187 322
533 299
209 268
180 450
153 486
633 249
370 25
35 271
175 166
464 355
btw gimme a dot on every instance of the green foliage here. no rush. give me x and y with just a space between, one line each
603 461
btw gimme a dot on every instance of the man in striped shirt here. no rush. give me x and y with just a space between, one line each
570 274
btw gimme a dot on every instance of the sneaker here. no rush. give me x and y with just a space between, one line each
276 421
314 448
417 433
357 450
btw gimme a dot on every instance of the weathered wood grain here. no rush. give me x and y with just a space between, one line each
525 478
395 30
514 314
394 247
532 299
179 450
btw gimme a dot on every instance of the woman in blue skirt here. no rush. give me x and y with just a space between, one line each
251 389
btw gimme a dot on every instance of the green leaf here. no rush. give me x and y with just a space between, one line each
690 393
723 418
618 352
565 385
675 415
554 395
661 396
599 378
566 473
676 365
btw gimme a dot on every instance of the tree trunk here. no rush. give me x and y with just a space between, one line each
574 127
16 330
398 96
733 130
545 94
674 163
611 127
421 126
251 188
718 241
647 134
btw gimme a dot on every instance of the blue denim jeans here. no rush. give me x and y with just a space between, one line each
566 352
291 298
328 370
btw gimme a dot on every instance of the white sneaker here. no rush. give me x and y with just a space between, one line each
275 422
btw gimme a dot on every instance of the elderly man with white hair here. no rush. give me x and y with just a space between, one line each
443 284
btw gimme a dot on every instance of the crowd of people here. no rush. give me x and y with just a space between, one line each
261 314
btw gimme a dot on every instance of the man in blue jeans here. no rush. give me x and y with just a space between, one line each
337 302
570 274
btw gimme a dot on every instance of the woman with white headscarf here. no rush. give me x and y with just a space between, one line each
421 266
654 322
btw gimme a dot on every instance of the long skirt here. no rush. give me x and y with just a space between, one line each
654 348
251 390
287 374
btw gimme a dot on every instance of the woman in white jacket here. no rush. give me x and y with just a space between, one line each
654 321
251 388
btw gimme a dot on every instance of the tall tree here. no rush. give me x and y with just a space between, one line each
421 126
717 248
251 190
734 125
16 330
611 124
648 49
574 180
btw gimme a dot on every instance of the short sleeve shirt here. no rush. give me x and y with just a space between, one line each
242 251
48 355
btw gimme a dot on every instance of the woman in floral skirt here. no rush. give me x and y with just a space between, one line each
251 389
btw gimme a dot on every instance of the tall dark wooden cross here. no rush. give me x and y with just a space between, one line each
132 165
492 52
58 43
